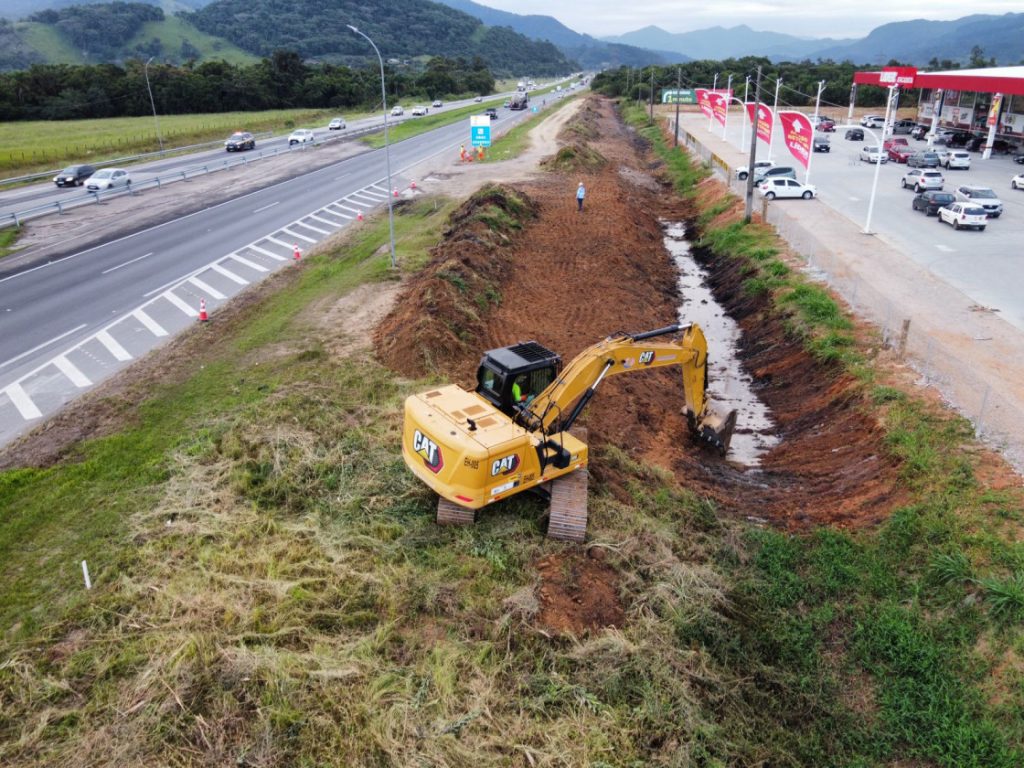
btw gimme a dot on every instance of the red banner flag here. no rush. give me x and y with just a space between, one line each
763 124
719 104
797 133
704 100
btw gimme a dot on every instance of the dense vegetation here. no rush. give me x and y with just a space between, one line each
278 82
799 80
98 30
399 28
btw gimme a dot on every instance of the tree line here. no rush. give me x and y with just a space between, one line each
280 81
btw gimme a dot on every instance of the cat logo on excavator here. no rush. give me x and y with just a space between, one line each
493 433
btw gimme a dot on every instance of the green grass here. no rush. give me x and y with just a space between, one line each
430 121
50 43
8 241
173 30
38 145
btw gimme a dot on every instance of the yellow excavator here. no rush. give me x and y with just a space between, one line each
512 433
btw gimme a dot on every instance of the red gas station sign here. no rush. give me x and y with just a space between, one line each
903 76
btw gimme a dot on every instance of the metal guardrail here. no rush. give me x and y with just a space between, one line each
130 158
16 218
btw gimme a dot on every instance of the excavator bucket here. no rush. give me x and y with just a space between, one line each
716 430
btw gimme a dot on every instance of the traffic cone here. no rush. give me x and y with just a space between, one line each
203 317
412 184
395 192
359 215
298 253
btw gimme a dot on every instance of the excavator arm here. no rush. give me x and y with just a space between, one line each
560 404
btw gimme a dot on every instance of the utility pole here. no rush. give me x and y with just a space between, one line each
753 151
652 93
679 86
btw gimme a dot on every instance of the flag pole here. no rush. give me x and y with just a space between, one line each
728 103
746 117
814 128
711 117
775 110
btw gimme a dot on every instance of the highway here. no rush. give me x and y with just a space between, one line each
70 324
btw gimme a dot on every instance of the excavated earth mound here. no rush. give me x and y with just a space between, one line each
568 279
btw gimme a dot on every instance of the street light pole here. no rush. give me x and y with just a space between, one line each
152 103
387 150
893 90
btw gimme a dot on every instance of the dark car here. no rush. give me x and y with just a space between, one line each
1019 158
919 132
931 201
492 113
923 160
775 172
959 139
854 134
240 140
74 175
821 144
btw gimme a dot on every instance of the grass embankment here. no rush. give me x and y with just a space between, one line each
917 624
8 239
270 588
40 145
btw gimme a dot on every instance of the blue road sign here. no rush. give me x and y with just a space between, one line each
480 130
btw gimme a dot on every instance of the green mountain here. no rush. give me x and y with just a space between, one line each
401 29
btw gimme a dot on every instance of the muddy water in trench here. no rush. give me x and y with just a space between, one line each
729 387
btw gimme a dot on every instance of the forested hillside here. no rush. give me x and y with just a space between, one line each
99 30
317 29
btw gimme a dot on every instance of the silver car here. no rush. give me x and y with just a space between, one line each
954 158
982 197
108 178
920 179
872 155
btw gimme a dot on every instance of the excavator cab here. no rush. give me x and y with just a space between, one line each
510 377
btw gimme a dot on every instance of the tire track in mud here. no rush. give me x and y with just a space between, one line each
570 279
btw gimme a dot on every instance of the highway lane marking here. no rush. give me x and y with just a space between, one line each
108 341
180 303
154 327
343 176
229 274
345 207
20 399
209 289
338 215
282 243
69 369
40 346
296 234
140 258
268 254
945 248
310 226
323 221
855 199
250 264
382 189
266 207
362 197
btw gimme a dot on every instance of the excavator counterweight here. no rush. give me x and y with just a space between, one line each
515 432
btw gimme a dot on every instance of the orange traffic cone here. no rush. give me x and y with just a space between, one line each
412 184
298 253
395 192
359 215
203 317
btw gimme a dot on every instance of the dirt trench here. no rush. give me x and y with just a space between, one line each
568 279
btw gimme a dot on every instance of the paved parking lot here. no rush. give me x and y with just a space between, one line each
986 266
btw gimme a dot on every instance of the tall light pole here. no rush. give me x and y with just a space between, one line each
387 150
152 103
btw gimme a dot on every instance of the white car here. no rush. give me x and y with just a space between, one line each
419 111
963 215
873 121
873 155
1017 182
300 136
108 178
478 99
337 124
920 179
742 171
437 104
397 111
982 197
954 158
772 188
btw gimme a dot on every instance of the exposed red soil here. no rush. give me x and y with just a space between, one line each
577 594
569 279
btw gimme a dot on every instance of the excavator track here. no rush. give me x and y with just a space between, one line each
567 520
450 513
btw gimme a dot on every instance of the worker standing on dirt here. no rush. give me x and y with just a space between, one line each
462 152
581 192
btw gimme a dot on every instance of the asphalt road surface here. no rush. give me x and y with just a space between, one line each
69 324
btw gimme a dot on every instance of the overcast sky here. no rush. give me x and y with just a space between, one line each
831 18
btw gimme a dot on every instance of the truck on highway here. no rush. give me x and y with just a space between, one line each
521 85
519 101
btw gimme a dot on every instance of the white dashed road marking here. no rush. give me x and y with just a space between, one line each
108 341
152 325
180 303
68 368
209 289
229 274
250 264
265 207
40 346
23 402
307 225
323 221
346 208
945 248
140 258
282 243
301 237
